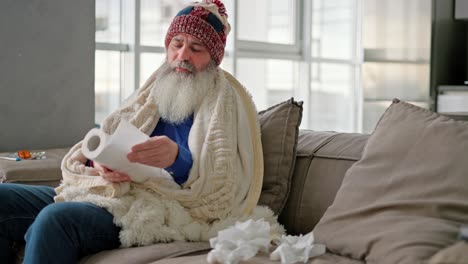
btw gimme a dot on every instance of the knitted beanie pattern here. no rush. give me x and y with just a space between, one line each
207 21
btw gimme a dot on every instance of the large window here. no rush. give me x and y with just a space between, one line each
270 50
396 44
307 49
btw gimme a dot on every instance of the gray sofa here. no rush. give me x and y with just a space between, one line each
321 163
322 169
399 195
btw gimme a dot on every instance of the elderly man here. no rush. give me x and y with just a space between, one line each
203 131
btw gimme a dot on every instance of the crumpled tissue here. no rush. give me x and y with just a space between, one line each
293 249
240 242
245 239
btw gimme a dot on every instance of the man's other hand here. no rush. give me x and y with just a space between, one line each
159 151
110 175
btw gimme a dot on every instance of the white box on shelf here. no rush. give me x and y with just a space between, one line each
452 99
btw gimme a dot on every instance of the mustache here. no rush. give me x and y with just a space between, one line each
183 64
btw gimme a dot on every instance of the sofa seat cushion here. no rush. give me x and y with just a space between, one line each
260 258
146 254
407 197
40 172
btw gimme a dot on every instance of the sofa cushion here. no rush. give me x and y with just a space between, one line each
279 128
407 197
322 161
146 254
454 254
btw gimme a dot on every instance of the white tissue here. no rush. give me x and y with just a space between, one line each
295 249
111 151
240 242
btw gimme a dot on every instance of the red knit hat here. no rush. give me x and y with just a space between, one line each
207 21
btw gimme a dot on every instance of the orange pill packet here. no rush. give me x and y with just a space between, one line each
24 154
29 155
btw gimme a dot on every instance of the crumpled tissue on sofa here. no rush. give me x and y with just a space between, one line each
293 249
246 239
240 242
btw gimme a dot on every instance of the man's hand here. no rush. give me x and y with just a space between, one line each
112 176
159 151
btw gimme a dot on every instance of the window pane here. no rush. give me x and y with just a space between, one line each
333 32
108 21
156 16
149 63
396 80
397 30
267 21
107 83
227 64
332 100
269 81
396 42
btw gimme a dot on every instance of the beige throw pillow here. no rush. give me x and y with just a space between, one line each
407 196
454 254
279 128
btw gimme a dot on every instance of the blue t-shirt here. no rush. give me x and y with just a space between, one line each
179 134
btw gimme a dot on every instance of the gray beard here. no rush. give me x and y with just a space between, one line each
179 95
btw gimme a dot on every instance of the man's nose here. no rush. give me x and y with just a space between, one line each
183 54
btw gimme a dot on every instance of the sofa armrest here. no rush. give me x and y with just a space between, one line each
38 172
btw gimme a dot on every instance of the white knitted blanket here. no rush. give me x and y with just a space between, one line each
224 183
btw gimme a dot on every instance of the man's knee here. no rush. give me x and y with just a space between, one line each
69 216
54 220
77 225
58 214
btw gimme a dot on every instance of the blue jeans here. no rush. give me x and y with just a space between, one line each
53 232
